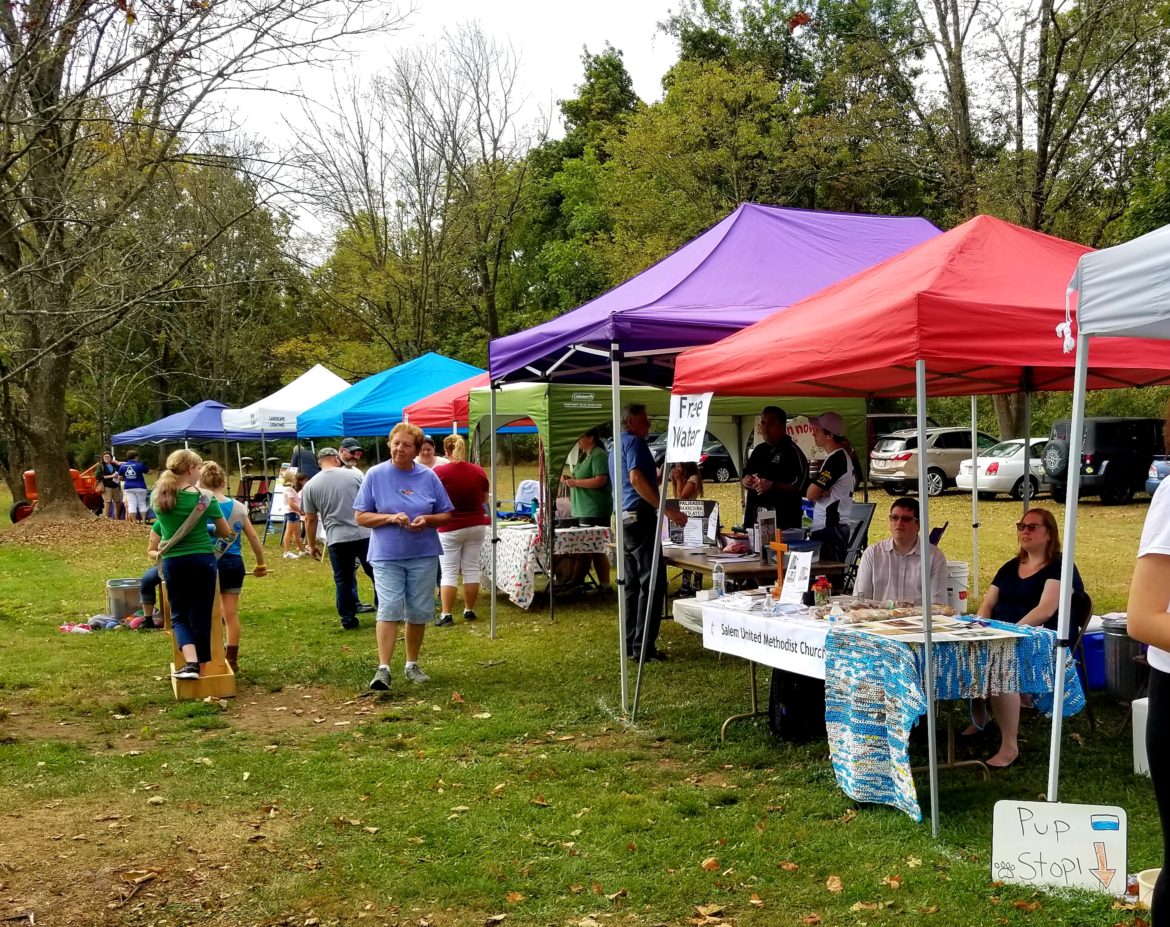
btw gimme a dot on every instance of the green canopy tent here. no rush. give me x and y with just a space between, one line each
563 412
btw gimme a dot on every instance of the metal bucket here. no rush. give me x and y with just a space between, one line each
1124 679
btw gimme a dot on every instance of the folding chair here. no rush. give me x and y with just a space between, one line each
858 538
1082 614
525 503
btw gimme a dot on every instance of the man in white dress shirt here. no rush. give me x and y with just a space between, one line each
890 570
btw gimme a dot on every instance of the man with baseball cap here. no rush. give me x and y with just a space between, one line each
329 496
831 490
351 452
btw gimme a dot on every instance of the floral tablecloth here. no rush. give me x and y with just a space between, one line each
875 692
518 557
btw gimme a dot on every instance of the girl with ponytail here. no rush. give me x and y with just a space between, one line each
188 561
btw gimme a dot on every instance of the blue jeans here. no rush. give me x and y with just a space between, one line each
406 589
345 557
191 582
148 585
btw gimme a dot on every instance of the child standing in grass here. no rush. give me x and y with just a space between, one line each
231 561
188 563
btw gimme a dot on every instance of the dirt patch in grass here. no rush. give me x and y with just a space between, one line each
64 537
127 861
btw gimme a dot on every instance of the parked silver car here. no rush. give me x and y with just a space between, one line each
893 463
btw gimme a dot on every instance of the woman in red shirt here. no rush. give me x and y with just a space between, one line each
462 537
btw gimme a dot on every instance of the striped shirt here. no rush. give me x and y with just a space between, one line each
885 575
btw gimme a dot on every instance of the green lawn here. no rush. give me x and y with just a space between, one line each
510 785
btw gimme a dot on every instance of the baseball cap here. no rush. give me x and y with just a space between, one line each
350 444
830 422
327 452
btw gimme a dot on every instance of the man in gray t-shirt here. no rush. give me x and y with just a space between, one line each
329 495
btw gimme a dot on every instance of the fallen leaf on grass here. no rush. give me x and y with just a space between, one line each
494 919
457 698
894 881
863 906
460 809
256 838
498 789
371 830
1028 906
514 898
482 715
620 893
156 800
756 900
576 888
789 866
848 816
833 884
539 801
813 918
708 910
931 909
913 862
597 889
711 864
203 761
587 922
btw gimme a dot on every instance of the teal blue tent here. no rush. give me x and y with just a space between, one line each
375 405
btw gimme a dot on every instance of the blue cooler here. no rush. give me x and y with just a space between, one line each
1094 652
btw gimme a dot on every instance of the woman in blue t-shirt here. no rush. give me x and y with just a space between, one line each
1026 590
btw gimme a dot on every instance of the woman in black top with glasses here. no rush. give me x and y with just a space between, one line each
1026 590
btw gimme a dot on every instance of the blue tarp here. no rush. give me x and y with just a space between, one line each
201 422
374 405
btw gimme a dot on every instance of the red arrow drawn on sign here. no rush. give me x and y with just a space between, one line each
1102 872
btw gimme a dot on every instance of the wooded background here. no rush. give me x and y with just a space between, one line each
148 259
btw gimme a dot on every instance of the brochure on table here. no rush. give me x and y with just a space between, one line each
796 577
701 528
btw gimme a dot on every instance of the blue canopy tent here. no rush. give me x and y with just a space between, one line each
374 405
201 422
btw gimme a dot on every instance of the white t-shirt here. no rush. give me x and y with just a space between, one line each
1156 540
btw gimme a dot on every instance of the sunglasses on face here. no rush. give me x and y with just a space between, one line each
1029 525
905 519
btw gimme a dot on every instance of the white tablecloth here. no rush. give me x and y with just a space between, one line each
518 557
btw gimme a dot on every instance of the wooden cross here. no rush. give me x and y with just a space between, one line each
780 547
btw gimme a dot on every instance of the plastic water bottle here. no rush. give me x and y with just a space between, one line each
718 581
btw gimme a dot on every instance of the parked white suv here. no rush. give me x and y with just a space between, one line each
893 463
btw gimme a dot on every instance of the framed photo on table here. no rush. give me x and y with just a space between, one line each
766 530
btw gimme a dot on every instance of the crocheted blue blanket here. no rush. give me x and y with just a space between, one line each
875 692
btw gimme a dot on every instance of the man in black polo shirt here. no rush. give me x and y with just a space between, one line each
775 473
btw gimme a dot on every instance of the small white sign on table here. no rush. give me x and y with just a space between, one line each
1054 843
796 577
687 431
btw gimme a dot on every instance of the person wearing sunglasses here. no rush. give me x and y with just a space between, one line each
891 571
1026 590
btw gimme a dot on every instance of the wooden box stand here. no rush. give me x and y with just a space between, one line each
217 679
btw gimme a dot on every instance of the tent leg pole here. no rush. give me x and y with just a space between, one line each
1063 623
227 465
924 555
1027 449
654 561
973 580
243 484
495 499
615 381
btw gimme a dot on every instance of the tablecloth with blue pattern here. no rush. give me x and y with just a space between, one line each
875 692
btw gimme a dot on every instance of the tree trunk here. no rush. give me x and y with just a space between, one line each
1009 412
47 429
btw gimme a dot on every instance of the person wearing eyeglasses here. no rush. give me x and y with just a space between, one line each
890 570
1026 590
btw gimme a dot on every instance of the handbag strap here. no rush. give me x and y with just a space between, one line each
222 545
197 515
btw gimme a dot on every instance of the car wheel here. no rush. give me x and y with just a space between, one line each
1056 459
1116 492
21 509
936 482
1018 489
723 474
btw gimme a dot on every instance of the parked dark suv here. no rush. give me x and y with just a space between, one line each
1115 459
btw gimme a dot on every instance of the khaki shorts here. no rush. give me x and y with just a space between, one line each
112 494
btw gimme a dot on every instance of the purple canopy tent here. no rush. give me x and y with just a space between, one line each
757 260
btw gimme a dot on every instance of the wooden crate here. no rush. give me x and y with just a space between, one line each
216 679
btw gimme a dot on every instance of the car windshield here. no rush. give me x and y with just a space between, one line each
1003 449
894 445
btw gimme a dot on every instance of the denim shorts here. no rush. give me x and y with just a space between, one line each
231 573
291 518
406 589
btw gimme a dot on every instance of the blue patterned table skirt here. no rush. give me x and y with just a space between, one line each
875 692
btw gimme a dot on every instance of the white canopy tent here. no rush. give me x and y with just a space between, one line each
276 415
1122 292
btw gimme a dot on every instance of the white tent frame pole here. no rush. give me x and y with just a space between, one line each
492 388
973 579
1075 446
619 534
927 620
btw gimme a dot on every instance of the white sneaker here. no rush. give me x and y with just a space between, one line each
289 555
415 674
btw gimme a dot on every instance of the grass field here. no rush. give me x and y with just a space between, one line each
510 785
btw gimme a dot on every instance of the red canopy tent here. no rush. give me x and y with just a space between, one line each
449 407
979 304
973 311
